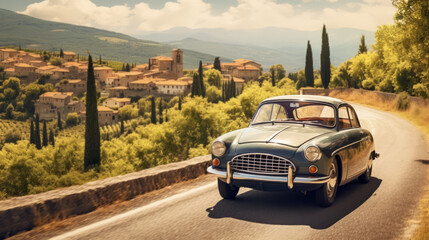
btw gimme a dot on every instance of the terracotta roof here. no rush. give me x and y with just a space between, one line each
142 65
36 61
118 88
24 65
70 64
242 60
75 81
60 95
60 70
34 55
147 80
8 50
104 109
172 82
9 70
69 53
9 60
121 99
230 64
163 58
49 67
102 68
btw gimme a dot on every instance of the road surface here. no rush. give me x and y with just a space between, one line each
385 208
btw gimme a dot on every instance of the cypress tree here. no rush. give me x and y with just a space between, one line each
216 64
153 113
19 48
160 108
122 126
149 64
180 103
223 92
78 58
127 67
92 129
37 133
273 80
32 137
194 86
123 67
309 72
45 135
325 60
61 53
362 46
100 62
51 137
59 122
233 90
200 75
166 114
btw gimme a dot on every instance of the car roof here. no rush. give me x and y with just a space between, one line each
334 101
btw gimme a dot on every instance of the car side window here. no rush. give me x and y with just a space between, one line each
343 118
353 118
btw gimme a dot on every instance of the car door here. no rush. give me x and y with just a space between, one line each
353 145
364 144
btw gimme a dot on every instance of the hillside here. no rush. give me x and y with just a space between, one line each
17 29
266 45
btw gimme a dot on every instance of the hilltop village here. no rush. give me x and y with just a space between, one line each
162 76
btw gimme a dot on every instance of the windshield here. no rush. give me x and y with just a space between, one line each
296 112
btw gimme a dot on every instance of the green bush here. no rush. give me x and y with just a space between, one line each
72 119
12 136
402 101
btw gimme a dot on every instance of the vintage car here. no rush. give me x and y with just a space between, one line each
308 143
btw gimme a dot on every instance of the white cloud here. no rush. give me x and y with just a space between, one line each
247 14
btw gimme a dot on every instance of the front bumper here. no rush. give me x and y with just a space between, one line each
289 180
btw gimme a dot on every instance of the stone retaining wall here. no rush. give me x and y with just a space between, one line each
24 213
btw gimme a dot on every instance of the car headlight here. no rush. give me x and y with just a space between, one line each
218 148
312 153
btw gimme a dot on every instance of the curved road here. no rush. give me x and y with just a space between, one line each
382 209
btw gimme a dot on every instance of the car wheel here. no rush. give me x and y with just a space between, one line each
325 196
227 191
366 176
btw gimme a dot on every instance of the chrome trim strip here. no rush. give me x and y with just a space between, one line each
264 178
348 145
290 177
276 133
228 173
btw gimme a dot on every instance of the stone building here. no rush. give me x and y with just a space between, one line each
77 86
116 103
69 56
245 69
106 116
50 103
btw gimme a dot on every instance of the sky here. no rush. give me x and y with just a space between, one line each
134 16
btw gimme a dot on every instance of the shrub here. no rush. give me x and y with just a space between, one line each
402 101
12 136
72 119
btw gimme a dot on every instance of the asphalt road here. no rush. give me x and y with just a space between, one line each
385 208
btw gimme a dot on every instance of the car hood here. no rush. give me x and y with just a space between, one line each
293 135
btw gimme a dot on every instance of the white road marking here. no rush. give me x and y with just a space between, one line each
121 216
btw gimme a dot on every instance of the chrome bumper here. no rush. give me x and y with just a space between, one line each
289 179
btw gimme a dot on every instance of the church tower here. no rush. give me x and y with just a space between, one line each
177 56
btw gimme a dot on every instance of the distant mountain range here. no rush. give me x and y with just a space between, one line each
267 46
17 29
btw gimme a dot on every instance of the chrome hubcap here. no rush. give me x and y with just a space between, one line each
332 180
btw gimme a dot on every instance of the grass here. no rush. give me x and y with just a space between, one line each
418 114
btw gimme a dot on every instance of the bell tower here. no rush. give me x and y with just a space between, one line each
177 56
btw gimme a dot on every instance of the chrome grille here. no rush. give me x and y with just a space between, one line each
261 163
